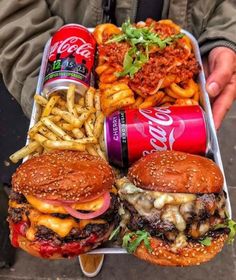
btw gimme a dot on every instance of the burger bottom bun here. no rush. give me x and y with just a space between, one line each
192 254
33 247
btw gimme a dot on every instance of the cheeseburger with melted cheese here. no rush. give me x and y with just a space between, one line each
174 209
62 204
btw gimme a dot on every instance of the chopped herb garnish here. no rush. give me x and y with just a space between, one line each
135 57
132 240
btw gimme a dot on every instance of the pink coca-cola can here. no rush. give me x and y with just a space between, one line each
131 134
70 59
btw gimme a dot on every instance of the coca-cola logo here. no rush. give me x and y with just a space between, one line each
70 45
160 139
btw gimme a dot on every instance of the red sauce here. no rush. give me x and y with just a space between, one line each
173 60
71 249
18 229
114 53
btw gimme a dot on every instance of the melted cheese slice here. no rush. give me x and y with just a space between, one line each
48 208
60 226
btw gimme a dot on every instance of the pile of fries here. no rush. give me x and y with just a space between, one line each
67 122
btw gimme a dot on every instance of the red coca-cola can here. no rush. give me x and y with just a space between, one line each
70 59
131 134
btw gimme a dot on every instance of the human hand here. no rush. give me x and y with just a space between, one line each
220 71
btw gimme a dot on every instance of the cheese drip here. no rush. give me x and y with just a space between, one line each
144 200
62 227
156 204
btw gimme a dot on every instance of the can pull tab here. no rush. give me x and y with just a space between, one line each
108 7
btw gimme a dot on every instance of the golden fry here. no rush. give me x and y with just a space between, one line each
97 103
100 152
78 133
89 95
70 97
168 99
87 140
80 109
196 96
25 151
48 134
64 145
67 117
90 149
56 129
40 139
171 93
54 118
49 106
88 129
101 68
40 100
82 118
98 126
81 101
122 103
185 102
62 103
105 29
116 88
118 97
138 102
33 130
66 126
102 142
184 92
39 150
152 100
108 76
91 120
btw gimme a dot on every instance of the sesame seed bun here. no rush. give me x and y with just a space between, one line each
171 171
192 254
64 175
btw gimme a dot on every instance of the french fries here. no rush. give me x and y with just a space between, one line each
67 122
70 97
116 97
25 151
51 103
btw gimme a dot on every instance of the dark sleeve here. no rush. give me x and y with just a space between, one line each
25 27
219 28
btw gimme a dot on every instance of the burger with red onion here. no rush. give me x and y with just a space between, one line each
174 209
62 204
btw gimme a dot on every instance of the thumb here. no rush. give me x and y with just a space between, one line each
221 70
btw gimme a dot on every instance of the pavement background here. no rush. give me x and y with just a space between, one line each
115 266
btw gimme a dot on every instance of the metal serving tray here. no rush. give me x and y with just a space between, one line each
213 150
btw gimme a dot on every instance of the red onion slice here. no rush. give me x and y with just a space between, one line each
83 216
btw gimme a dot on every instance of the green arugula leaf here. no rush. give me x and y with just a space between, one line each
231 225
126 239
114 233
116 39
206 241
132 240
232 228
139 36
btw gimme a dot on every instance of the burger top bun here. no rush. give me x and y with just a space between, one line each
171 171
64 175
